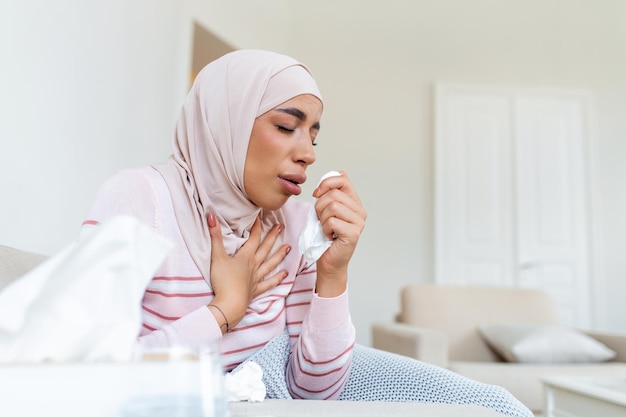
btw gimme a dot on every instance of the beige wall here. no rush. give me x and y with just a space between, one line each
88 89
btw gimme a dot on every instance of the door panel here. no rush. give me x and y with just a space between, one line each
550 180
473 208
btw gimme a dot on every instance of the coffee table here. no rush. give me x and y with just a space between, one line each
585 397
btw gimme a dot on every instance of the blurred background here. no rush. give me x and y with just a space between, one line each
87 88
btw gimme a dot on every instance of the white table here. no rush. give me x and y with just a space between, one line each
91 389
585 397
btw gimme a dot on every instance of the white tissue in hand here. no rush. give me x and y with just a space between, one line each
245 385
84 303
313 243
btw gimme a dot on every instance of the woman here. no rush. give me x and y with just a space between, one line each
242 145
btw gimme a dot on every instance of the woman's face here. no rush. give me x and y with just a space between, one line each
280 150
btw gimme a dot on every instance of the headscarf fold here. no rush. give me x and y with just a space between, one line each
205 172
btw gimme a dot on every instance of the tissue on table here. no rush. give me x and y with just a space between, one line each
83 304
313 243
245 385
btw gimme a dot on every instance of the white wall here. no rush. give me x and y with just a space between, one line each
87 89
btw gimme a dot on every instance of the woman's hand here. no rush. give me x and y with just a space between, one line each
238 279
342 216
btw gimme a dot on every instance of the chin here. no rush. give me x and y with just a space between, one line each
273 205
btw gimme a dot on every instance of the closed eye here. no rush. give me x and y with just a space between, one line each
284 129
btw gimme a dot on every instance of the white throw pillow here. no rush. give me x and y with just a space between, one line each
543 344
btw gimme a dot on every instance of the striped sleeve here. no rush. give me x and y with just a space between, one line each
322 337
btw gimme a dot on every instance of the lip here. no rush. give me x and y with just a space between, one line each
291 183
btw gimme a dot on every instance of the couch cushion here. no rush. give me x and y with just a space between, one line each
550 344
15 263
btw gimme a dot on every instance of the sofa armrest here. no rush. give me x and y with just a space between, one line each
614 341
423 344
15 262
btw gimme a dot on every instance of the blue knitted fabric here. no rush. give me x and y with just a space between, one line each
382 376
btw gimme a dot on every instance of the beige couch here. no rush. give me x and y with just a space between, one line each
14 263
440 325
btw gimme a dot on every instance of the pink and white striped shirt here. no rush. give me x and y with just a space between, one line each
175 302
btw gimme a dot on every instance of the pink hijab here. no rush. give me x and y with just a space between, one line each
205 172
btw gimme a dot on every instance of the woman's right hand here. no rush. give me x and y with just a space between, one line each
238 279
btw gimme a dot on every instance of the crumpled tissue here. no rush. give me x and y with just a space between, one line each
245 385
313 243
83 304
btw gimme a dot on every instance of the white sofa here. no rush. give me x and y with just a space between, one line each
440 325
15 385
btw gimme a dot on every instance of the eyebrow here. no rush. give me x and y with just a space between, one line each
297 113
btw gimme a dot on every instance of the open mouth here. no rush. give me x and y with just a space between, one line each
292 184
297 179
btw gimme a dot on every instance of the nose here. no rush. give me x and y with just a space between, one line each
305 153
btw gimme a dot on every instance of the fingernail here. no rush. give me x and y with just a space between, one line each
212 220
280 228
317 190
288 249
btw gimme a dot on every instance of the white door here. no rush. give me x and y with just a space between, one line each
511 192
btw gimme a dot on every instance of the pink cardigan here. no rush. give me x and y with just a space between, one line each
174 304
